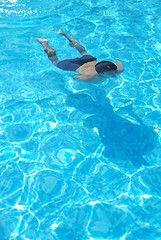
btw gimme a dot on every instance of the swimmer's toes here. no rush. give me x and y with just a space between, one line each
59 31
41 40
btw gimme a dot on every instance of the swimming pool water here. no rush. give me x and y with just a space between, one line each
80 161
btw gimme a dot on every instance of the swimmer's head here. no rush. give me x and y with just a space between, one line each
105 67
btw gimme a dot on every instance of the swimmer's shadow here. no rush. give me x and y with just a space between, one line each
121 138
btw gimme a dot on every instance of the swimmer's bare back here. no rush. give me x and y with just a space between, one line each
87 67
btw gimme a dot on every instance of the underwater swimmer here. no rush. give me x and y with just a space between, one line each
87 67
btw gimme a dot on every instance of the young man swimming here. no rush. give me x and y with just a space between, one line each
87 67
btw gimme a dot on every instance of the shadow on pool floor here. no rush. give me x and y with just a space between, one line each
121 138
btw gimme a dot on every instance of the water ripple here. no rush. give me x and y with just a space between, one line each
79 161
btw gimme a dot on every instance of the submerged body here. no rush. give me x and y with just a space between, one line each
87 67
88 73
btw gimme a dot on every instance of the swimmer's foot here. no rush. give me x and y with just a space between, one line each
42 41
64 34
60 32
72 42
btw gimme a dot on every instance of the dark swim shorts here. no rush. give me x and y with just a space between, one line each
75 63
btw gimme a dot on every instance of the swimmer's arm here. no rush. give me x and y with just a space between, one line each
119 65
83 77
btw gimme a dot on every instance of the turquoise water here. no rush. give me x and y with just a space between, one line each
80 161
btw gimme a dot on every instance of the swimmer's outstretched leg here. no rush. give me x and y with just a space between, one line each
49 51
73 43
